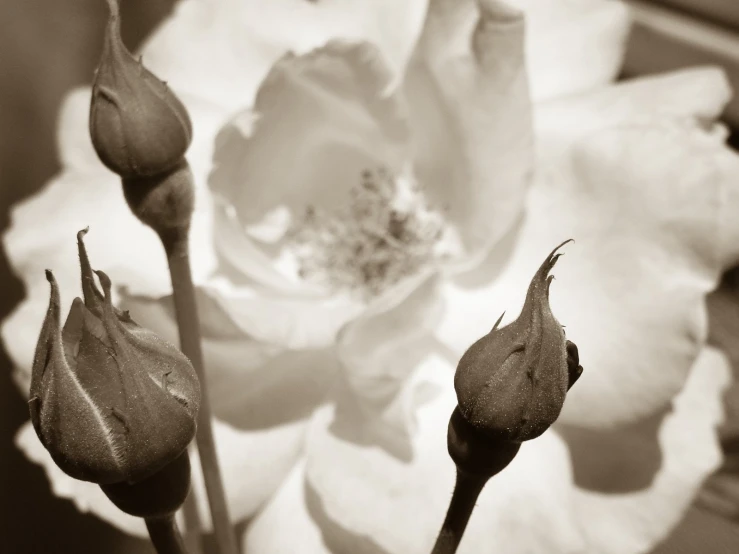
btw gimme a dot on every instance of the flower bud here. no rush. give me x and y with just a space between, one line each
511 384
158 495
474 452
109 400
138 126
165 202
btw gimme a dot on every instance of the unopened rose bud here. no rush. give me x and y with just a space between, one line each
511 384
157 495
138 126
109 400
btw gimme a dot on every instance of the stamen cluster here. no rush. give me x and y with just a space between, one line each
387 232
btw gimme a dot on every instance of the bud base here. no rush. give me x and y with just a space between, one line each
158 495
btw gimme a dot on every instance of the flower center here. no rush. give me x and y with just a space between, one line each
387 231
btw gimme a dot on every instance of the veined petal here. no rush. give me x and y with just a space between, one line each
573 45
470 110
636 521
646 202
356 498
221 50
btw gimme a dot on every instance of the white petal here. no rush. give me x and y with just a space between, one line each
379 352
253 465
289 322
644 199
265 534
319 121
221 50
573 45
635 522
355 497
699 93
469 102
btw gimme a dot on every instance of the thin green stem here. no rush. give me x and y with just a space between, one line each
466 490
176 246
164 535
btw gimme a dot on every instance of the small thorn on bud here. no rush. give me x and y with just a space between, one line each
498 322
109 95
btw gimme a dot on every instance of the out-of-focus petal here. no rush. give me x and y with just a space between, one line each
698 93
470 109
645 201
291 322
379 351
253 385
290 504
220 50
253 465
319 121
357 498
636 521
573 45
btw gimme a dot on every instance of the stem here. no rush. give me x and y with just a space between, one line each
188 322
164 535
193 525
466 490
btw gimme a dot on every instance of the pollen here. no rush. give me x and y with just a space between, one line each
387 231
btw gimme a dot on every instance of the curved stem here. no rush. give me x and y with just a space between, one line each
466 490
164 535
188 322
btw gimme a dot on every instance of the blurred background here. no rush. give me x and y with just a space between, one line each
48 47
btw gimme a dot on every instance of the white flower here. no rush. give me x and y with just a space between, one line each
333 395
